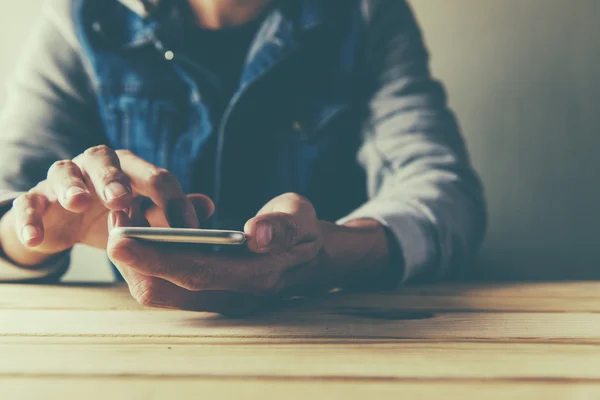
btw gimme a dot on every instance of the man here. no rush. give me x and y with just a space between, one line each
121 109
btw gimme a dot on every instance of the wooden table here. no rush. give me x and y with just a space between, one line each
459 341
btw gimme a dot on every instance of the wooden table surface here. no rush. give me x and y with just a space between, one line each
452 341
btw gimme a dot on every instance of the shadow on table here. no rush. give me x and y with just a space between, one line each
430 308
417 302
411 303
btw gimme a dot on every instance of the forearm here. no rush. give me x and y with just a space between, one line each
363 254
439 225
359 254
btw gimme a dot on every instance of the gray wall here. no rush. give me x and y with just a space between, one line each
523 77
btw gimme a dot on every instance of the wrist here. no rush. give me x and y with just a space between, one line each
362 254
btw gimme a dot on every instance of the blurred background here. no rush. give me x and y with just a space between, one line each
523 77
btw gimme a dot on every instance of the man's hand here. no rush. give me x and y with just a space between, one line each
290 252
72 205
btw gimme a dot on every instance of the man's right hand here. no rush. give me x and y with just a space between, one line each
72 205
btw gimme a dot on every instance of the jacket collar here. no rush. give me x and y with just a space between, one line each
148 20
311 11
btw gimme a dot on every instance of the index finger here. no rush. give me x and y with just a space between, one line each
162 187
101 166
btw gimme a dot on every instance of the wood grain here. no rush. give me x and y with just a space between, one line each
456 341
443 326
51 388
67 297
508 297
261 360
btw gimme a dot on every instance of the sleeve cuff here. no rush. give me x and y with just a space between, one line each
412 230
11 272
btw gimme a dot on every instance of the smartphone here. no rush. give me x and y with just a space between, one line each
177 235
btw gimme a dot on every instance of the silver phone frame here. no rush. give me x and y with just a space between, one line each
180 235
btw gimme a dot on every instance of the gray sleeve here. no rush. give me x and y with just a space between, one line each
421 184
50 112
50 115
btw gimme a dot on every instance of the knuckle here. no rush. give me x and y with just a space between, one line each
292 231
313 250
293 196
144 292
301 203
190 283
41 187
72 181
100 150
160 267
18 201
78 159
262 281
63 163
29 213
271 284
124 153
27 198
23 201
58 165
200 276
122 250
110 173
268 286
318 242
160 177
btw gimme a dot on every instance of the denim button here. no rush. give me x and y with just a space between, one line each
169 55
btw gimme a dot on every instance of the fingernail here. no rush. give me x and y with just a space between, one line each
29 232
114 190
264 235
73 191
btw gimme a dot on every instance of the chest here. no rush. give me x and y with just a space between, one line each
292 123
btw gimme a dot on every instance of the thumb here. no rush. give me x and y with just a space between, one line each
285 223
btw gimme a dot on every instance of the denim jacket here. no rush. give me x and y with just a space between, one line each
335 102
290 127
